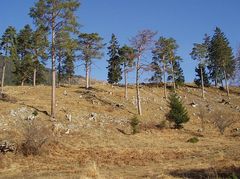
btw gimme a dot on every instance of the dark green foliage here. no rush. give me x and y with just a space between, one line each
127 56
197 80
23 74
178 74
193 140
157 70
69 65
9 75
24 49
178 113
134 122
114 62
220 57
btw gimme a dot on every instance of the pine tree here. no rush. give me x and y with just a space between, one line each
221 60
24 49
114 62
161 59
39 51
201 74
69 65
177 75
90 46
170 65
66 46
8 47
55 15
178 113
127 59
200 53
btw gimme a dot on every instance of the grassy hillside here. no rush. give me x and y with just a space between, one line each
92 136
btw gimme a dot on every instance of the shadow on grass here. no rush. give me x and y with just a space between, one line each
228 172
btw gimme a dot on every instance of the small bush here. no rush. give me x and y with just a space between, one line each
178 113
193 140
35 137
135 125
222 120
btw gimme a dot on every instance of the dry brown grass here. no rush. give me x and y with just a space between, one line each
152 153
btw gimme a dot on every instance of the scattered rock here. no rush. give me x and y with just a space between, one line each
6 146
31 117
69 117
65 93
93 116
225 102
193 104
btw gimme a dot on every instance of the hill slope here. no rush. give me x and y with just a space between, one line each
92 135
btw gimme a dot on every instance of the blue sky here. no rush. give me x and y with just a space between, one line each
185 20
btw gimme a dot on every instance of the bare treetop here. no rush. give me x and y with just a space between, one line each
143 40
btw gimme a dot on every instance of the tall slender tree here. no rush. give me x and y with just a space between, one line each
39 51
141 43
68 67
172 58
24 50
200 53
201 76
221 58
55 15
8 47
90 46
160 63
127 58
114 62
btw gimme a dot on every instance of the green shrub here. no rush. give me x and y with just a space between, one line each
193 140
135 124
178 113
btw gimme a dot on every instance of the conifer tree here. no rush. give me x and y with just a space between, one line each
69 65
172 58
24 50
200 53
221 60
178 113
114 62
201 76
90 46
127 59
178 73
8 46
161 61
55 15
66 46
39 51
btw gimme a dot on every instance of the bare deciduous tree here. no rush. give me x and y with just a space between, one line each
141 43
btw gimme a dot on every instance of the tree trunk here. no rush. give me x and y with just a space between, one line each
34 76
137 87
226 83
125 81
22 82
202 82
87 75
164 78
69 81
53 102
173 79
3 77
